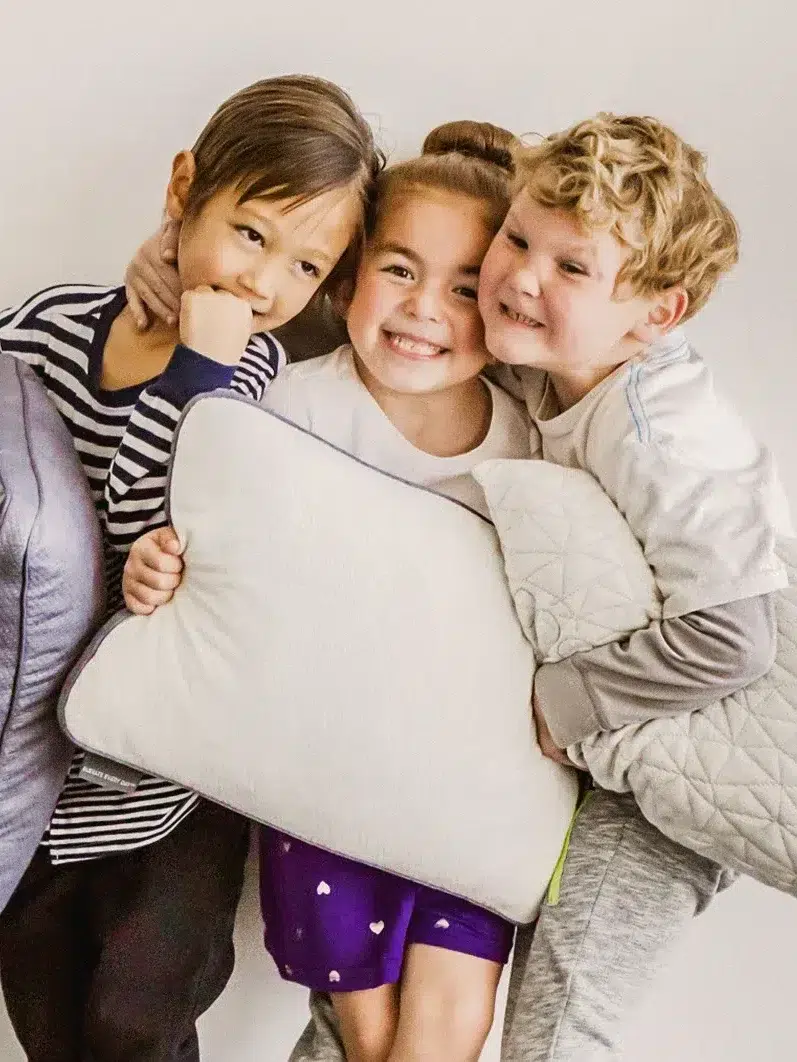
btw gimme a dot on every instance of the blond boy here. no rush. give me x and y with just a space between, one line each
614 238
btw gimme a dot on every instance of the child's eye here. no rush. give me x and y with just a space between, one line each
518 241
310 270
250 235
398 271
574 269
466 292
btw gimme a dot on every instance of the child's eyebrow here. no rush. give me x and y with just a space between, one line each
398 248
585 249
250 208
316 253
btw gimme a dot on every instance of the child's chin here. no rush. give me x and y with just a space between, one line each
515 354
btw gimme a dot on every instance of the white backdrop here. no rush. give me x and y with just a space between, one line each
96 98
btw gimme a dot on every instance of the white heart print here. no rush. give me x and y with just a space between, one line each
334 976
441 923
323 889
376 927
286 846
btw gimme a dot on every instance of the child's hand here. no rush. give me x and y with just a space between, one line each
151 280
216 324
153 571
547 745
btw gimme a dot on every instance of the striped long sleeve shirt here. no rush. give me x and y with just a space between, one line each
123 439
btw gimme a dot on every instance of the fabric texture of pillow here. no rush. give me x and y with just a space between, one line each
51 598
723 780
576 573
342 660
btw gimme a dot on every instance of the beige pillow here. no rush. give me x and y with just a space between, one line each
342 660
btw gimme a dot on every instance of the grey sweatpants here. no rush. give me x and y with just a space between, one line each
625 895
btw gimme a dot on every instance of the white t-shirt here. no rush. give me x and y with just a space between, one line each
327 397
700 494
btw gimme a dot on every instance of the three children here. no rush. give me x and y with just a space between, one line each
613 238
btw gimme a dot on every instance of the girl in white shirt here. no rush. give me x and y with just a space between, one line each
412 972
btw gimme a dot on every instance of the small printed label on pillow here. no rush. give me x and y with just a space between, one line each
108 774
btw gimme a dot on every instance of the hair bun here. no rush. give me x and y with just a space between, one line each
478 140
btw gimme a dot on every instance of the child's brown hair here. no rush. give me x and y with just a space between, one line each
639 180
470 158
288 138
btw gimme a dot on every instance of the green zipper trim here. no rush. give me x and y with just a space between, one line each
552 899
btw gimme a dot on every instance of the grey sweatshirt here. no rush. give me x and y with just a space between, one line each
673 665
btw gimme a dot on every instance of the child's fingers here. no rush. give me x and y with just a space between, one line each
151 555
137 308
151 299
133 593
138 571
149 596
138 608
144 599
156 580
168 559
167 540
170 238
165 281
162 296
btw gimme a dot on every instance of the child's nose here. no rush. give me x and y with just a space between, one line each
261 284
526 281
425 305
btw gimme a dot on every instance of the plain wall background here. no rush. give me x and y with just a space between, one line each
97 97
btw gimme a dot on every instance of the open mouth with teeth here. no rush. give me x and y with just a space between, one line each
412 346
520 318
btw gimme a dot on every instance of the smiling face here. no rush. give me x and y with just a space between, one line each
414 321
549 298
271 252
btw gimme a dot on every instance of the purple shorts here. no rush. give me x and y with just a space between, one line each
335 925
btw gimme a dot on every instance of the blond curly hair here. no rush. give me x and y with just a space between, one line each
638 179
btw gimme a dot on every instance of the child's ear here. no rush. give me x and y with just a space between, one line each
665 310
183 173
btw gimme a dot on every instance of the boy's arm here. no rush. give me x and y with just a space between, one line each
135 493
674 665
704 501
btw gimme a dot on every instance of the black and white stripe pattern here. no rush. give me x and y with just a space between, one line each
123 439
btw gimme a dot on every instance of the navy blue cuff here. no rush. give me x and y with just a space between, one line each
190 373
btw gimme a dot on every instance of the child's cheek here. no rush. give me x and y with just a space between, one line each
223 263
371 303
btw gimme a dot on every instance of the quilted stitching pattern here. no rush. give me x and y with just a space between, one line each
577 575
721 781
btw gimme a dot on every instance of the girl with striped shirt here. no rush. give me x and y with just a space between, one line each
113 944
